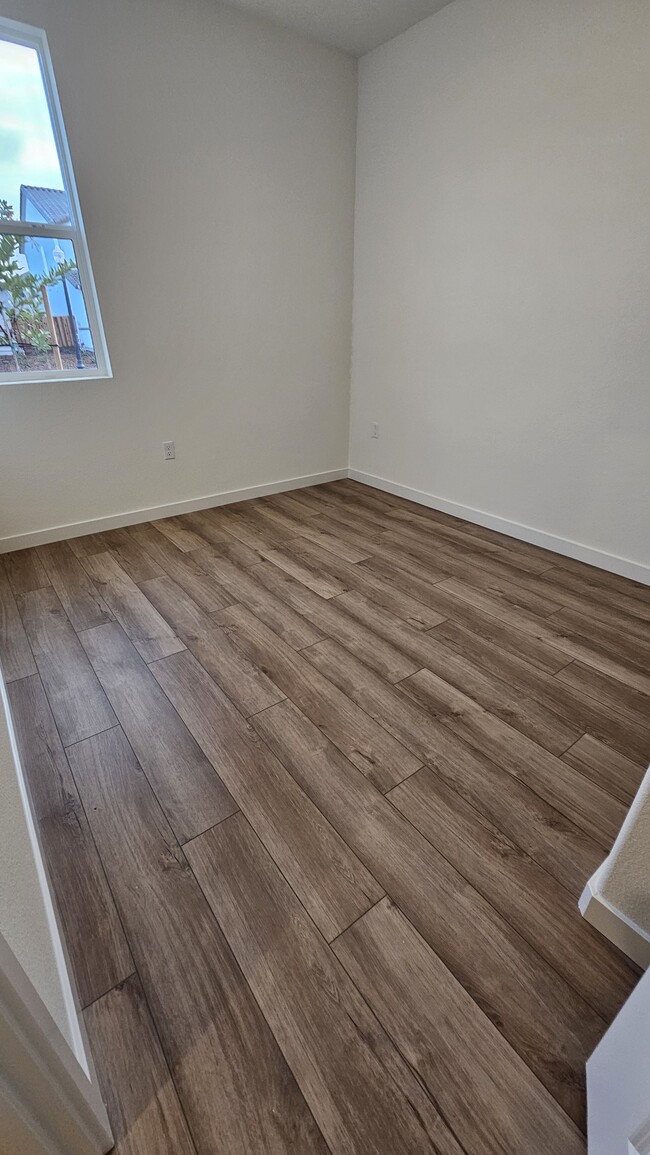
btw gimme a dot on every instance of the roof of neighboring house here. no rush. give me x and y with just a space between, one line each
51 203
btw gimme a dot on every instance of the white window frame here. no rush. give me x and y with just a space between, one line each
30 37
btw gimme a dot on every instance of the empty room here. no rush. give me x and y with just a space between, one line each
324 577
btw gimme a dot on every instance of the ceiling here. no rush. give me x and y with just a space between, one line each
355 26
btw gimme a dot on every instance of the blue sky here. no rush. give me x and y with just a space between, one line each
27 148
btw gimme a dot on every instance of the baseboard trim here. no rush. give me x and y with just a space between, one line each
619 565
614 925
134 517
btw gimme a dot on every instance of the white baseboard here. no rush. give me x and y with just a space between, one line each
614 925
607 561
134 517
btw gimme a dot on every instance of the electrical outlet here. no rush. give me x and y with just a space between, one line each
375 429
169 450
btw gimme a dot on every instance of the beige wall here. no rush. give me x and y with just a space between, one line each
214 158
502 275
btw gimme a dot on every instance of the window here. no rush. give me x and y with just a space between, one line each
50 327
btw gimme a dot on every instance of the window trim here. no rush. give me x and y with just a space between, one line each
17 33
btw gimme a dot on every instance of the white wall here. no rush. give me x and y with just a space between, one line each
214 158
502 267
27 920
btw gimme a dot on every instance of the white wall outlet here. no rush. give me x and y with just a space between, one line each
169 450
375 429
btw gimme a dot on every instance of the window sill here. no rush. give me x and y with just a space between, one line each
51 376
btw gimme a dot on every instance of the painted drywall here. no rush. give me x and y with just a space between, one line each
27 920
214 157
618 1075
623 880
502 266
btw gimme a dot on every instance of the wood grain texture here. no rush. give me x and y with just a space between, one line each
457 1052
396 742
97 948
548 1024
234 1085
368 745
186 784
151 635
25 571
332 884
16 658
363 1095
143 1107
78 702
78 595
507 877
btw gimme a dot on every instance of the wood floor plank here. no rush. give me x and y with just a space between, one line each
521 712
78 702
628 638
187 786
236 552
426 1012
143 1107
354 577
95 941
181 567
16 658
128 554
235 1088
549 1025
245 684
249 528
25 571
363 1095
368 745
442 716
291 503
627 735
581 800
184 616
151 635
635 601
87 544
531 900
329 616
205 527
610 692
331 883
78 595
418 525
243 587
180 532
321 584
613 772
333 544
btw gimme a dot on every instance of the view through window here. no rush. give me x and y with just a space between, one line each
49 322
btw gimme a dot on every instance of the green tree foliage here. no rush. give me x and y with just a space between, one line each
22 313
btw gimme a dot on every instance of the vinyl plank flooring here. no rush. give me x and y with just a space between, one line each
143 1107
418 525
25 571
181 567
236 1090
133 560
530 899
331 883
613 772
180 533
333 544
354 577
246 685
363 1095
329 616
243 587
368 745
628 736
600 815
236 552
628 638
88 544
439 717
634 601
16 658
426 1012
205 527
96 945
321 584
77 593
611 693
291 503
188 787
548 1024
151 635
177 608
521 712
78 702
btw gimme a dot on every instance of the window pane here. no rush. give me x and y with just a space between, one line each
38 274
30 175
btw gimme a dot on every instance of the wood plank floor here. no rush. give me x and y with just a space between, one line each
319 779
